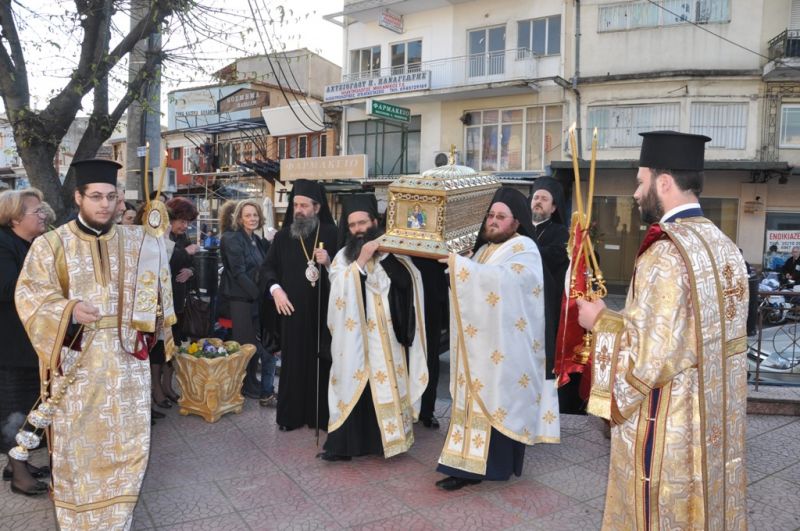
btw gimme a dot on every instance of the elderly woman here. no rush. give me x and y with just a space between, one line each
21 220
182 213
243 254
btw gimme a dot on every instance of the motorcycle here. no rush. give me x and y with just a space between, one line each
776 308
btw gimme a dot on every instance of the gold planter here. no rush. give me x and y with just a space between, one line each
212 387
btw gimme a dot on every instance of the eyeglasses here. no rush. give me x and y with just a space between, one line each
498 217
37 212
96 198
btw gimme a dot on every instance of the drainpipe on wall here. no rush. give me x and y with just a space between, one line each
579 129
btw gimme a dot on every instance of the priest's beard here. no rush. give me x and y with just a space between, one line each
538 217
302 227
651 208
493 235
95 224
352 248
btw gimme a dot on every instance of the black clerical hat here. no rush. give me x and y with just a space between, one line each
518 205
557 191
670 150
360 203
313 190
308 188
95 171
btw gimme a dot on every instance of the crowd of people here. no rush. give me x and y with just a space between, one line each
94 311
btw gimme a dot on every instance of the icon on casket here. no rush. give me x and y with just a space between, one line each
438 213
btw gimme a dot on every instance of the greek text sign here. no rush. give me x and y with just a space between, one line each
324 168
378 86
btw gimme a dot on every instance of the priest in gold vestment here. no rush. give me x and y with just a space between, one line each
91 296
669 370
377 322
502 399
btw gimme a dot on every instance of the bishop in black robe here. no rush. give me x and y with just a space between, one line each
302 394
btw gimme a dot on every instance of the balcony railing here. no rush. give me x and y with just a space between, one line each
787 44
507 65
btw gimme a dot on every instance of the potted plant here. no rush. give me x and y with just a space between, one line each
210 374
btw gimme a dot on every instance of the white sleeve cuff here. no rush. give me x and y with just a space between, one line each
273 288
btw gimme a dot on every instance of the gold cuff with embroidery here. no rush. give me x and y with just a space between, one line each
605 345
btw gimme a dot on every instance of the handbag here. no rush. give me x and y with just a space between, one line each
195 319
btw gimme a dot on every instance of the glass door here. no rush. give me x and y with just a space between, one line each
487 51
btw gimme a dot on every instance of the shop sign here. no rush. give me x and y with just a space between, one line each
324 168
391 21
784 239
282 191
378 86
387 110
244 99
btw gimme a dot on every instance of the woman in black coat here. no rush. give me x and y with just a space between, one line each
243 253
21 220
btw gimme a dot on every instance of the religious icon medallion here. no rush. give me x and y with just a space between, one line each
312 273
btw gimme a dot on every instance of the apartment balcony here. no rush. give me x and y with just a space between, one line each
368 10
784 57
507 71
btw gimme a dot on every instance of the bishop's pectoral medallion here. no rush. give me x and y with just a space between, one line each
312 273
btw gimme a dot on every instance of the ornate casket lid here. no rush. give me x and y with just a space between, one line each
446 178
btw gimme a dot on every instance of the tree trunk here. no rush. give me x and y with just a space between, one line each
39 162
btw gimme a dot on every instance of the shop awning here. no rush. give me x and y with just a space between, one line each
710 165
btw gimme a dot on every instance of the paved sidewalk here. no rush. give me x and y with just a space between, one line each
242 473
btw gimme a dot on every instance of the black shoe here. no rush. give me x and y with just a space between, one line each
254 396
163 404
430 422
284 428
38 488
36 472
327 456
453 483
173 398
156 414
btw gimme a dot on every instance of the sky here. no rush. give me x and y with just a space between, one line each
51 44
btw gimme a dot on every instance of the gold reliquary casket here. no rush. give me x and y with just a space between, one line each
438 213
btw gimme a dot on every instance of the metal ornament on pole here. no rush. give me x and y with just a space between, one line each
319 333
582 219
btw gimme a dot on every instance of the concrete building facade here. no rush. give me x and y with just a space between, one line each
503 81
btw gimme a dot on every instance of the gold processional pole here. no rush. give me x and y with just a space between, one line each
581 222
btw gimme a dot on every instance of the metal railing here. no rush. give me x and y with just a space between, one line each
507 65
774 353
787 44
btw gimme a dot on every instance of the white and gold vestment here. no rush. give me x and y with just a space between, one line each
497 353
364 350
670 373
99 439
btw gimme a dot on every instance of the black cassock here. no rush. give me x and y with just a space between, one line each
286 265
552 239
360 434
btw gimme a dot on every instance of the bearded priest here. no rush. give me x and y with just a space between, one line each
295 272
377 323
670 369
502 400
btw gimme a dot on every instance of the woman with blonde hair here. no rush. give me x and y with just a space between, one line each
243 254
22 219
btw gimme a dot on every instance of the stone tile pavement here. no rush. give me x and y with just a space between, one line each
242 473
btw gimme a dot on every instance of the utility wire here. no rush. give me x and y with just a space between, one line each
274 73
729 41
314 120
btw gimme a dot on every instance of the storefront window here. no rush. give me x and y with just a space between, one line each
620 231
513 139
391 149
